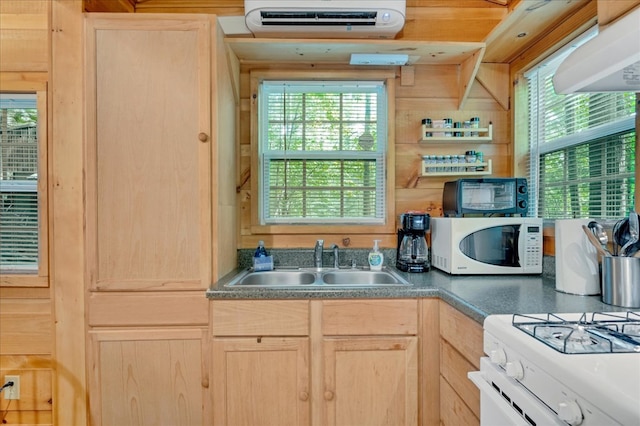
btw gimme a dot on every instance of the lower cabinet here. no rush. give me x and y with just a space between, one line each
338 362
152 376
371 381
262 380
460 352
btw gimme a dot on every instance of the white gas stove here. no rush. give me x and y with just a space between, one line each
547 369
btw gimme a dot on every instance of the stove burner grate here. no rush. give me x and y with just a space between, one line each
590 333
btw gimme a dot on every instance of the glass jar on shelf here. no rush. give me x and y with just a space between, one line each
448 124
447 164
461 163
470 159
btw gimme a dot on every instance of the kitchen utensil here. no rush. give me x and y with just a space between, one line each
620 278
592 238
616 234
633 233
621 236
601 235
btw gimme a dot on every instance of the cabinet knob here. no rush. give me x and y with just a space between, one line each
328 395
203 137
304 396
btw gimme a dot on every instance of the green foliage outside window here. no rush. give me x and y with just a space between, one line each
323 159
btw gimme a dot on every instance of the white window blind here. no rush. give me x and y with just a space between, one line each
18 183
582 149
322 150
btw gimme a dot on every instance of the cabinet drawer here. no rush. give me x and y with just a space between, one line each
369 317
453 410
454 368
260 318
461 332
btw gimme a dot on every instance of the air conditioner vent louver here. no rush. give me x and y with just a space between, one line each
325 18
319 18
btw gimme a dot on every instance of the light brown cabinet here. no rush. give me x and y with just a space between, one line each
370 381
157 88
263 380
460 352
148 377
370 362
260 362
338 362
148 215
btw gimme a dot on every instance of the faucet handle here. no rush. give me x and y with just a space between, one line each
319 243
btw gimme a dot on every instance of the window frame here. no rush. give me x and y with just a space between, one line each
256 77
525 156
41 277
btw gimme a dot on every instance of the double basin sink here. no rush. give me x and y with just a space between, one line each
318 278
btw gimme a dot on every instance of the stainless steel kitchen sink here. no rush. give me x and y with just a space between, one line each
284 278
318 278
350 277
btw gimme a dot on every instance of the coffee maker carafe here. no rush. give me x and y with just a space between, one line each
413 251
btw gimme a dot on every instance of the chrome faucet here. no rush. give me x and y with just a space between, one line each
317 254
336 263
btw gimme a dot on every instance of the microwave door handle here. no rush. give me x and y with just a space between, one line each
519 243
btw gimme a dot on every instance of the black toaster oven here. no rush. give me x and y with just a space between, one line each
486 197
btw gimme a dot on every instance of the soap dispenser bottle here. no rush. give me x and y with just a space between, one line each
375 257
260 250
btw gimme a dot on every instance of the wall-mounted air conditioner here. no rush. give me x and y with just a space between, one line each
325 18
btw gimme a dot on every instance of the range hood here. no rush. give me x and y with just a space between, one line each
610 62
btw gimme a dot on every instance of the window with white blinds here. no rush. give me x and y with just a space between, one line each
582 149
322 152
19 218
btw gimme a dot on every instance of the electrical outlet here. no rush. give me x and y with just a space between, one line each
12 392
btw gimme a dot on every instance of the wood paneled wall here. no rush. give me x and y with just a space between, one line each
26 320
24 35
432 92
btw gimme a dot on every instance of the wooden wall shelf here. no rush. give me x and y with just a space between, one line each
487 131
487 170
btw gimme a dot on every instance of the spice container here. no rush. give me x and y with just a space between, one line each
426 125
461 162
448 124
475 123
479 159
457 125
438 124
470 158
447 164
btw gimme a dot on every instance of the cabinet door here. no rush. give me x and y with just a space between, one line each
148 377
261 381
148 152
370 381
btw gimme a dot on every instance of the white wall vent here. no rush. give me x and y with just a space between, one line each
325 18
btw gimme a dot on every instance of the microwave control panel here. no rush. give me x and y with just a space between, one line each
533 246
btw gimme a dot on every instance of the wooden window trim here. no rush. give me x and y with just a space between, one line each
389 226
41 279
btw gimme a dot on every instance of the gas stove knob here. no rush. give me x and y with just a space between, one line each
570 412
515 370
497 356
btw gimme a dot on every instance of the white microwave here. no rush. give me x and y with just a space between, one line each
486 245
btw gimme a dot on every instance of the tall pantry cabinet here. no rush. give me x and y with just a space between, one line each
159 165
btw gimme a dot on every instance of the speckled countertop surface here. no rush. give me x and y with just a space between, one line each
476 296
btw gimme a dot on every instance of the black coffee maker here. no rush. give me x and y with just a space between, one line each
413 251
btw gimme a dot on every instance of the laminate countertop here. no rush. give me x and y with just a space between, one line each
475 295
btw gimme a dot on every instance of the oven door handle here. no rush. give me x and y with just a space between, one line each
487 391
